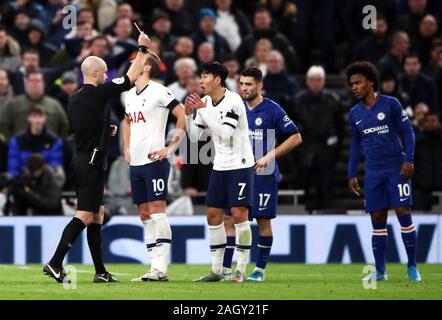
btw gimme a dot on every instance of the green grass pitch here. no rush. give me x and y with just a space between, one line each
284 281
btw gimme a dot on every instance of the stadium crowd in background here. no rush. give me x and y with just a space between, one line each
40 59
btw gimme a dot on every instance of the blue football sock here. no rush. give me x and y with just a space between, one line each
264 247
379 241
228 254
408 231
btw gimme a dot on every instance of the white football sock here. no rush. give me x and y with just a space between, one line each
243 243
163 236
217 241
150 241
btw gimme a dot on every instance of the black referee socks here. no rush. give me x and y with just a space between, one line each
94 242
70 234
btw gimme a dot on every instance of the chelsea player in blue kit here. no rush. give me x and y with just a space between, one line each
267 121
380 128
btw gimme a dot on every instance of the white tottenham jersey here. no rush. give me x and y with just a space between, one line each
147 112
234 152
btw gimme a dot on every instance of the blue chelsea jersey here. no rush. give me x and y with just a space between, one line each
268 121
379 131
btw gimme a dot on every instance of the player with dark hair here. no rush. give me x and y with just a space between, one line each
267 122
231 182
381 129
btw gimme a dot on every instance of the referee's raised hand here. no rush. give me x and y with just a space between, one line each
143 40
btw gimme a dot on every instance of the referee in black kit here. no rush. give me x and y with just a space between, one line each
89 115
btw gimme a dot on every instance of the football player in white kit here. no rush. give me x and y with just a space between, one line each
147 106
231 182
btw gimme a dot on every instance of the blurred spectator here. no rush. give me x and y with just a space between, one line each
183 49
20 28
36 39
263 29
390 86
419 86
31 63
428 162
206 33
322 135
351 14
259 59
105 10
182 19
36 139
123 30
122 43
325 11
68 86
84 31
161 29
284 13
232 66
427 38
185 69
375 46
13 118
392 61
36 192
410 21
86 14
419 116
9 51
123 9
52 16
28 6
6 91
102 48
231 23
205 53
433 67
278 86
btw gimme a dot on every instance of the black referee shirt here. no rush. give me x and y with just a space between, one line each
89 114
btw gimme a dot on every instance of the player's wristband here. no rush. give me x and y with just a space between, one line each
143 49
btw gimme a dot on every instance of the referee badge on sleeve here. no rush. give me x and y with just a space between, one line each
119 80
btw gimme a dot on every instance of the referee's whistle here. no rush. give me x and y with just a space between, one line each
93 156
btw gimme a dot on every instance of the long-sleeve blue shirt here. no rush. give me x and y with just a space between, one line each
378 131
267 122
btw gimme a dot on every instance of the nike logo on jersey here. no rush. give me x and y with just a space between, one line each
241 198
260 209
358 122
158 193
403 199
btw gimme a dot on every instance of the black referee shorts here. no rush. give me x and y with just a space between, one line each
90 180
